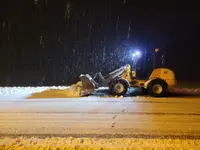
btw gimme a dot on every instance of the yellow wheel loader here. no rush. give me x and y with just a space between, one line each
120 80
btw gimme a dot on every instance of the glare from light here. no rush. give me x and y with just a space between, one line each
138 53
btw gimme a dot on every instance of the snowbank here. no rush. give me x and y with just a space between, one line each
68 91
19 92
188 91
73 91
42 92
91 143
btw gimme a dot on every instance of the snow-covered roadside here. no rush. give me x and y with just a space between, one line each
189 91
14 93
95 143
22 92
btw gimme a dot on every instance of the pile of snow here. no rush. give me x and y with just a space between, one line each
42 92
19 92
73 91
96 143
190 91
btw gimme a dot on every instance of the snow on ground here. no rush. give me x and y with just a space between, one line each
70 92
7 93
22 92
96 143
188 91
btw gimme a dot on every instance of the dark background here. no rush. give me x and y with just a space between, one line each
51 42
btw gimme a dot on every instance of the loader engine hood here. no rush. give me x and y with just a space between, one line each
165 74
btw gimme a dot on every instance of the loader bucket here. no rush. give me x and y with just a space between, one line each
88 85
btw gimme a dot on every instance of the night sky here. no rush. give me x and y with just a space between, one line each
51 42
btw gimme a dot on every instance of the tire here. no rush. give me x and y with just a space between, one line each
157 88
118 87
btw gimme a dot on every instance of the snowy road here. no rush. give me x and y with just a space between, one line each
112 117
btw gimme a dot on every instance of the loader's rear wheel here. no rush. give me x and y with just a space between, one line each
118 87
157 88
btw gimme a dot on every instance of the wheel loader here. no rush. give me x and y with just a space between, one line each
120 80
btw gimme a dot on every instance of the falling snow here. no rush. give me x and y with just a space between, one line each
57 42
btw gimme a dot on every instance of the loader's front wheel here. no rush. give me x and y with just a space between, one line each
157 88
118 87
